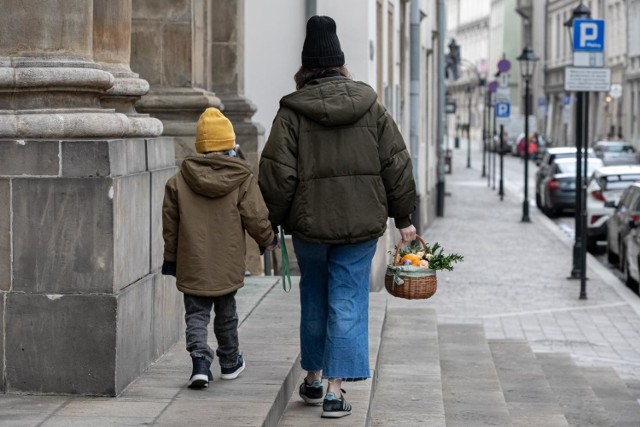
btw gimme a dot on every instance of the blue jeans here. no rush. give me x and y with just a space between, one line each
334 300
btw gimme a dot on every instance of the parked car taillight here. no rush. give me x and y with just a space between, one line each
553 185
596 194
595 218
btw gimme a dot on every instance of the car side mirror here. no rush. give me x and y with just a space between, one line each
610 204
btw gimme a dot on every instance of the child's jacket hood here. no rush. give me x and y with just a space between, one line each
214 175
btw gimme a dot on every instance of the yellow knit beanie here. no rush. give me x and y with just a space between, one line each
215 132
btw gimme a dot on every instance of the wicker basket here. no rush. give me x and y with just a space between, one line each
408 281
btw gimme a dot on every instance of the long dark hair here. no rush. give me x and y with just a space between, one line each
305 75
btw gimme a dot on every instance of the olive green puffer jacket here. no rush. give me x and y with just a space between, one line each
335 166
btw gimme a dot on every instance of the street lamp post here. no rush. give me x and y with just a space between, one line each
527 62
470 92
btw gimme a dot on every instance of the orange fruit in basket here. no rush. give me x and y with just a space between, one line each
415 259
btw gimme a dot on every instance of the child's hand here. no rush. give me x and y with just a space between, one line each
274 245
169 268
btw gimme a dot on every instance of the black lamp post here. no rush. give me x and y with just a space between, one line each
579 265
470 93
527 62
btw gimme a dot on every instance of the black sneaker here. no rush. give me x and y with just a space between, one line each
201 374
311 393
233 372
332 407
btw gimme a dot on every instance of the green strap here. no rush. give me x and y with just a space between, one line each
286 272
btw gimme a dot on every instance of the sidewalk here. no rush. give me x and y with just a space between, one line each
513 282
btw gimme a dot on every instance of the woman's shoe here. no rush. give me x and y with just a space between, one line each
311 393
332 407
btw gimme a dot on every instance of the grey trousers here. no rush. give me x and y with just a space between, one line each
225 326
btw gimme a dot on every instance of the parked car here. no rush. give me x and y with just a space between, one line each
605 185
558 187
615 152
618 224
631 261
549 156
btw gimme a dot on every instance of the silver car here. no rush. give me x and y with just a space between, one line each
615 152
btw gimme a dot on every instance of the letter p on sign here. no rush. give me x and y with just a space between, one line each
588 35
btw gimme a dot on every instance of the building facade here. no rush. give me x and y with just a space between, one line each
631 90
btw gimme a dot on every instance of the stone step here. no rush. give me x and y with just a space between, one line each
579 403
269 341
470 386
408 388
614 395
298 414
529 397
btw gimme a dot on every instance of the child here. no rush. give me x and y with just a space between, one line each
207 207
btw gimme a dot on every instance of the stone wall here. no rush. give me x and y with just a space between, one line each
85 307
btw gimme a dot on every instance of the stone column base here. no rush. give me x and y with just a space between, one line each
84 307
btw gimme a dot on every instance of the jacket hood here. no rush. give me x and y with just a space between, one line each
332 101
214 175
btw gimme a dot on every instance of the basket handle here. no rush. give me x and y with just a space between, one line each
396 258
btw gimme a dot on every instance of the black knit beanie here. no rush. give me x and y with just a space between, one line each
321 47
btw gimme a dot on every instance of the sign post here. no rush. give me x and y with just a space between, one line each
502 112
586 75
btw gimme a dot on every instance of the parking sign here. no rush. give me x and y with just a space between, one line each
588 35
503 112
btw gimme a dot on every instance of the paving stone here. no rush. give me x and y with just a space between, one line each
622 408
478 401
526 390
580 405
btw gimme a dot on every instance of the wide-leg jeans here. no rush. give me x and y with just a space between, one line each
334 299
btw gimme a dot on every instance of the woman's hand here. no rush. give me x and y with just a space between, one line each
408 234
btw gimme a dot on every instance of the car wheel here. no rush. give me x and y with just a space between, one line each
592 245
621 255
630 281
611 257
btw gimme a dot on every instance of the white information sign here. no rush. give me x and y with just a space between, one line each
503 94
587 79
588 59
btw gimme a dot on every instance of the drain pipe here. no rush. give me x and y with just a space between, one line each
414 103
440 119
310 8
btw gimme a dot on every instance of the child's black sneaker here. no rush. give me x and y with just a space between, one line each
332 407
233 372
311 393
201 373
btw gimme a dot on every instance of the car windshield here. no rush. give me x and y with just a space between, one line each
617 182
616 148
570 167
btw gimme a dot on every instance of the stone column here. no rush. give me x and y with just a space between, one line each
225 75
83 307
164 33
112 50
226 71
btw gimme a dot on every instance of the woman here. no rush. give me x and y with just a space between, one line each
334 168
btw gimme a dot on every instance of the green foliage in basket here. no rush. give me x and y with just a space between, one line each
433 255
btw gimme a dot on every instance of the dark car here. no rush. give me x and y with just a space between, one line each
631 261
558 187
619 223
550 155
